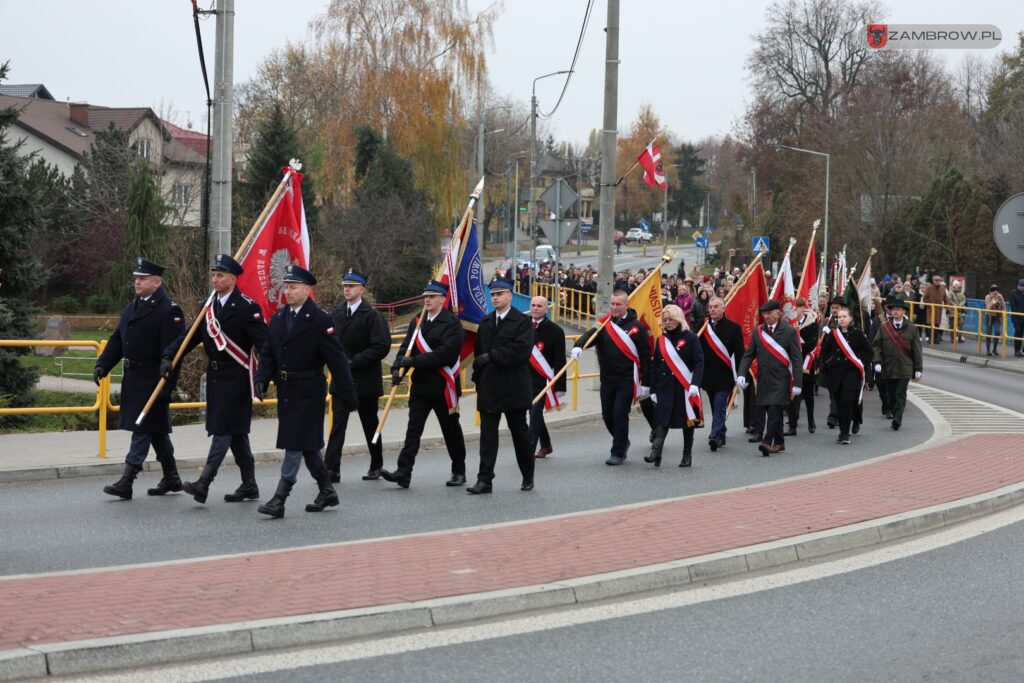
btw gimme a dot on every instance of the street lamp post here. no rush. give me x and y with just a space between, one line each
533 165
511 241
828 159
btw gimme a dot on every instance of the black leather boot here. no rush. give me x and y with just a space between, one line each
122 488
200 488
275 506
248 490
687 459
327 497
657 445
170 482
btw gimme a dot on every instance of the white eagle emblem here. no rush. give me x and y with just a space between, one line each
279 262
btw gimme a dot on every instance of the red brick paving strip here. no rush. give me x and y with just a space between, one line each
111 602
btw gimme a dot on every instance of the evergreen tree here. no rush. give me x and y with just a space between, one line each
686 192
21 274
147 236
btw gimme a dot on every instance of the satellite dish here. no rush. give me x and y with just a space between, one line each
1008 228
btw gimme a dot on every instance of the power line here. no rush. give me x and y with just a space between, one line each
572 67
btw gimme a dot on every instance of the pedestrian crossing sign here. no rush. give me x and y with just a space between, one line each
762 244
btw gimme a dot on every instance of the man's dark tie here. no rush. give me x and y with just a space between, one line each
217 307
291 320
348 312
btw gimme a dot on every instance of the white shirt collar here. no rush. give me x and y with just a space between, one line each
353 306
224 299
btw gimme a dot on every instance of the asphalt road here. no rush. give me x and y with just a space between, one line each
985 384
631 258
70 524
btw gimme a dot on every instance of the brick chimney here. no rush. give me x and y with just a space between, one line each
79 113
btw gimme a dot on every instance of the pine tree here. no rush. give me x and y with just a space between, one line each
21 274
147 236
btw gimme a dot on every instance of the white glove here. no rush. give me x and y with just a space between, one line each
741 382
654 399
797 391
826 330
693 391
576 352
917 374
878 368
644 392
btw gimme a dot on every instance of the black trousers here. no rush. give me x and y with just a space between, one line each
616 401
419 409
807 397
773 433
367 418
516 421
139 448
538 428
240 449
846 404
884 392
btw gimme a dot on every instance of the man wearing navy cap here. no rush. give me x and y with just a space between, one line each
148 334
232 335
434 353
501 373
776 346
300 341
364 335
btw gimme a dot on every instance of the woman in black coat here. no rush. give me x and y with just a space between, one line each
676 342
842 376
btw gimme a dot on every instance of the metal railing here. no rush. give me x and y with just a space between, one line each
972 321
104 401
575 307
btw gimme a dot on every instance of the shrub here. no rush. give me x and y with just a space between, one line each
97 303
65 304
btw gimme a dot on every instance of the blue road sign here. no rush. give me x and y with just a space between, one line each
645 225
708 230
762 244
702 242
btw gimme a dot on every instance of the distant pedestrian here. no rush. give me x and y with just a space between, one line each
1017 306
958 301
995 304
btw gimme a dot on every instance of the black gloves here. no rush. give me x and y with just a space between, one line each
261 390
351 403
396 378
481 361
166 367
98 374
403 362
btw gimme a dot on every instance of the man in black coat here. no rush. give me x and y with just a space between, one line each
501 373
624 361
546 359
148 334
232 335
807 324
301 340
434 353
365 337
722 344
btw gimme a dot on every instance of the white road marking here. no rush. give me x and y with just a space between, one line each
318 655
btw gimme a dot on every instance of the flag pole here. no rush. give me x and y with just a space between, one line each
635 164
293 165
458 234
665 258
867 269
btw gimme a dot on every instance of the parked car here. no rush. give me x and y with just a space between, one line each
638 235
545 253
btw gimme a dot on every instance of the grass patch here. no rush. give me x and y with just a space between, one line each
74 363
60 422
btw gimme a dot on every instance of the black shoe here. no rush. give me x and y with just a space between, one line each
527 485
372 474
713 444
896 425
247 491
687 460
843 440
750 430
327 497
479 487
200 488
166 485
122 488
790 432
810 427
614 460
395 477
832 424
855 428
456 480
275 506
335 476
754 439
765 450
887 414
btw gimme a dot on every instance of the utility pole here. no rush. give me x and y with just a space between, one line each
579 203
609 133
508 218
223 130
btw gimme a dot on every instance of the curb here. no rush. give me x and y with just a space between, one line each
114 467
957 357
265 635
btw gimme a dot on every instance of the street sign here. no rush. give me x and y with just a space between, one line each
523 209
644 225
696 235
586 226
558 232
762 244
708 230
703 242
1008 228
559 197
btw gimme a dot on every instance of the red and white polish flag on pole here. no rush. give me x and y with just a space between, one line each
783 290
650 161
810 278
283 239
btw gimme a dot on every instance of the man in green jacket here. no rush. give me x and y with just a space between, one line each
898 356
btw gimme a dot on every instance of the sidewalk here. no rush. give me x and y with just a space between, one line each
967 352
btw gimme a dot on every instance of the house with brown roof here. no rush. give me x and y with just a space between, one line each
61 133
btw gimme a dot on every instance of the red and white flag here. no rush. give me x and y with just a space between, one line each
282 240
654 172
784 292
810 279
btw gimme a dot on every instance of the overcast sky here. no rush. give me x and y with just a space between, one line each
685 58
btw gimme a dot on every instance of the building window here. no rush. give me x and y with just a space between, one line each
180 194
143 146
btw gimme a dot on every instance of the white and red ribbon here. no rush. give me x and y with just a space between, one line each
552 399
450 375
719 350
775 349
628 348
683 375
847 350
228 345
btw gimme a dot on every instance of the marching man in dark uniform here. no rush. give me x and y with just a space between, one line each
624 361
436 346
148 334
504 341
776 346
546 360
232 335
807 323
301 340
364 336
898 357
722 344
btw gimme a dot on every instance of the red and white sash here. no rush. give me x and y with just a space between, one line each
844 346
683 375
811 357
450 375
628 348
552 399
719 350
775 349
229 346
